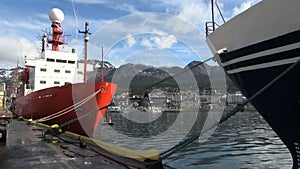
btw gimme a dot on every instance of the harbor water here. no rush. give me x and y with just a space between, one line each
243 141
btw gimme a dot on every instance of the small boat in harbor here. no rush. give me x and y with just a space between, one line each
54 90
260 49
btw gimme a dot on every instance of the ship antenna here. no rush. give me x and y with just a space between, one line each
102 75
211 26
86 39
44 42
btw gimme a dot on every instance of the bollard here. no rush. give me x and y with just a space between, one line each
3 134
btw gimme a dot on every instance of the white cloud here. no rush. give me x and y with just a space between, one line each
164 42
130 41
244 6
159 39
154 57
6 23
179 26
126 7
146 42
121 6
23 24
151 30
90 1
195 12
13 49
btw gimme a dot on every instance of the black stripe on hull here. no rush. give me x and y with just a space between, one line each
265 59
279 105
276 42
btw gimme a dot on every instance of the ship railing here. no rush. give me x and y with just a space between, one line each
210 27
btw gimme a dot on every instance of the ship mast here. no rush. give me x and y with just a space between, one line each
86 39
213 15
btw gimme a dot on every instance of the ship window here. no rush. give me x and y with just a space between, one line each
61 61
56 70
43 69
67 71
71 61
56 82
79 72
42 82
50 60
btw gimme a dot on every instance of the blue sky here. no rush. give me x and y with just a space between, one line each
157 32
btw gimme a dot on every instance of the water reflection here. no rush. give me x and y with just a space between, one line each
135 129
244 141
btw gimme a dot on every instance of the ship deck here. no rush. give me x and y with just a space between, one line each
25 147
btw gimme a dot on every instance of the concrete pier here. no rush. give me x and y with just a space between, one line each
25 147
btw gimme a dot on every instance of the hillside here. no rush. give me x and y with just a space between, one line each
138 77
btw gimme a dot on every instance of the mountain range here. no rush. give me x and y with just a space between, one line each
139 77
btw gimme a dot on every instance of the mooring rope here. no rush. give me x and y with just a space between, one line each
68 109
83 116
238 108
190 139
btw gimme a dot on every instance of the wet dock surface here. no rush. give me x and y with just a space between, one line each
24 148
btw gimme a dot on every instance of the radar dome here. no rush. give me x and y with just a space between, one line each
56 15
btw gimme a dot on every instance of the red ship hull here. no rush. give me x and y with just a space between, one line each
72 101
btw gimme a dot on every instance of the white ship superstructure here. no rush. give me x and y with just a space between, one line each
53 68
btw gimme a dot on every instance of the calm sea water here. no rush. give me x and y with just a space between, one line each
243 141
